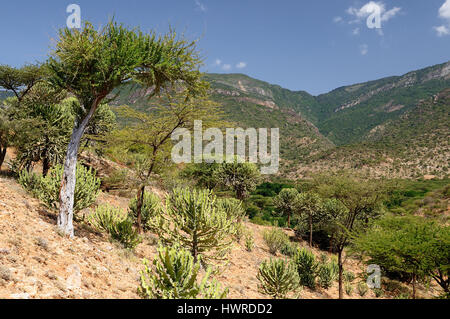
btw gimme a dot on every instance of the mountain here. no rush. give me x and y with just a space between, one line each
413 145
394 126
347 114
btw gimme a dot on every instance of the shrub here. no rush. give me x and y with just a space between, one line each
378 292
275 239
348 289
289 249
249 241
277 278
326 275
307 267
175 275
29 181
87 187
105 216
125 233
232 207
194 221
349 276
113 221
151 207
362 288
239 231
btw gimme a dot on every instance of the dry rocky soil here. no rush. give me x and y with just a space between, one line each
37 262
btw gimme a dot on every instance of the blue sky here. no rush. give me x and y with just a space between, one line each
314 45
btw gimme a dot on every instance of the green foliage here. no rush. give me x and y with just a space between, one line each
116 223
349 276
275 238
242 178
232 207
409 244
362 288
327 274
124 232
277 278
309 205
378 292
105 217
30 181
47 188
348 288
175 275
202 174
307 267
249 241
288 249
193 219
151 207
287 202
87 187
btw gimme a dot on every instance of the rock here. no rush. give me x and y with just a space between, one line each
4 251
5 273
73 281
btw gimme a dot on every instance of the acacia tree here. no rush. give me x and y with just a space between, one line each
358 201
409 244
145 143
90 64
19 82
287 203
242 178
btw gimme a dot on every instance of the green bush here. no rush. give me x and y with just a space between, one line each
307 267
175 275
378 292
289 249
275 238
348 288
362 288
105 216
326 274
115 222
87 187
232 207
125 233
29 181
249 241
151 207
239 231
349 276
277 278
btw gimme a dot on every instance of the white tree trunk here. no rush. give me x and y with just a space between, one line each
68 181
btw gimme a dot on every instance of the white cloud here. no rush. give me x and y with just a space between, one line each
442 30
218 62
200 6
371 7
241 65
226 67
444 13
356 31
364 49
337 19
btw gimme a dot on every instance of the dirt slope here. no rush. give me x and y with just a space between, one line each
36 262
